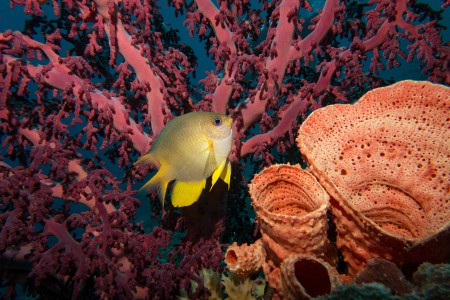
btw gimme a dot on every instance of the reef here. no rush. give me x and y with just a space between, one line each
86 86
380 168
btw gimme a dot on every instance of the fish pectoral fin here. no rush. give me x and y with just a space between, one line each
211 159
209 147
223 172
186 193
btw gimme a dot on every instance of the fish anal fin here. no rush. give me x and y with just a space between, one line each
186 193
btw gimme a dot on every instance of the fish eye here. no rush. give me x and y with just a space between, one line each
217 121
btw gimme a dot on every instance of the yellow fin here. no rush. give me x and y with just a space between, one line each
147 159
223 172
226 174
211 160
186 193
218 173
158 184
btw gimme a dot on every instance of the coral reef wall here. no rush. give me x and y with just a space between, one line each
87 85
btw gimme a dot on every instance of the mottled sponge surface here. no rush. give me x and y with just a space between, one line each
388 156
291 210
287 190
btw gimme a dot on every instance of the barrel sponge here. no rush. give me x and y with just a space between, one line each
388 155
245 259
385 161
290 207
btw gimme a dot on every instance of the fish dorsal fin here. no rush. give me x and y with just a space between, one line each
186 193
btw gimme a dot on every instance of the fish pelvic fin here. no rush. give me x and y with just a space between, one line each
226 174
186 193
223 172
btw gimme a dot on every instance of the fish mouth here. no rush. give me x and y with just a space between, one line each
228 121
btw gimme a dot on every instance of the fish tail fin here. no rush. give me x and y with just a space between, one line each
158 184
186 193
223 172
147 159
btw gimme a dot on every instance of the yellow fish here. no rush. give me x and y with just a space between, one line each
189 149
